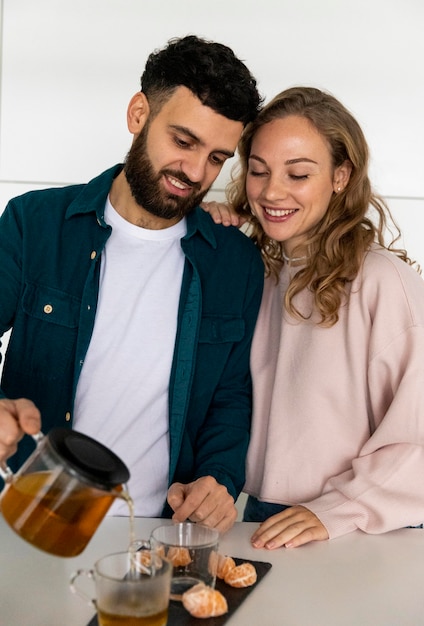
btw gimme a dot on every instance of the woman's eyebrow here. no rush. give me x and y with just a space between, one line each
300 160
288 162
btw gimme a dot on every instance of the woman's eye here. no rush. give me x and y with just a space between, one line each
297 177
256 173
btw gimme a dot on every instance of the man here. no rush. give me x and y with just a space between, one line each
132 313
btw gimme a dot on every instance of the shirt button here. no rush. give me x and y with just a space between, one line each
93 255
68 416
48 308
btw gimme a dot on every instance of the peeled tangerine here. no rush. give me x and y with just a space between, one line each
242 575
180 557
203 601
225 564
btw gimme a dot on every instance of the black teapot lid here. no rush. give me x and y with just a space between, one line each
89 458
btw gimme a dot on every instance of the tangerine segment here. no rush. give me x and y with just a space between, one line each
225 564
243 575
144 558
202 601
180 557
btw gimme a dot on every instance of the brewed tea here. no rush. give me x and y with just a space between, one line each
42 511
109 619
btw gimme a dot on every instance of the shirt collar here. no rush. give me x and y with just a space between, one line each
93 195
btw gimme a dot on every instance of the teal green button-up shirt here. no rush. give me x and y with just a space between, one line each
51 245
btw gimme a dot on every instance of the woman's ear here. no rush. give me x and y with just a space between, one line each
137 113
342 175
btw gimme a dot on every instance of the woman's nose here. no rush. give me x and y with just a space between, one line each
275 189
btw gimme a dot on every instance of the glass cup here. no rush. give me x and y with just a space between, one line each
192 549
132 588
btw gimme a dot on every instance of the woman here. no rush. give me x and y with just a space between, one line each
338 354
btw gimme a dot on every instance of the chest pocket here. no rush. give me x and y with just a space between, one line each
217 329
51 305
44 335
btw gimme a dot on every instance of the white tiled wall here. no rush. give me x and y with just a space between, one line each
69 67
409 215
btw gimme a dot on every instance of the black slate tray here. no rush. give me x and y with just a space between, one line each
178 616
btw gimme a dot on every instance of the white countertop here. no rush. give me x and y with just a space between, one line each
357 580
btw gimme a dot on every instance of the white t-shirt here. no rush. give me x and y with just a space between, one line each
122 393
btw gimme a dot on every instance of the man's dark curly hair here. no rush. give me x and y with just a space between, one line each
210 70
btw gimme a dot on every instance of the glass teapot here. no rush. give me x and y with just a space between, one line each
62 492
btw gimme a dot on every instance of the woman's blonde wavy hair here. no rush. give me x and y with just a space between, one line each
338 243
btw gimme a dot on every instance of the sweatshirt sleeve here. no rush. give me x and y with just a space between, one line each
384 488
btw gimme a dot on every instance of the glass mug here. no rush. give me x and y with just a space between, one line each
61 493
132 588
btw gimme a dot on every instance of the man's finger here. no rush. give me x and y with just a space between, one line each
176 496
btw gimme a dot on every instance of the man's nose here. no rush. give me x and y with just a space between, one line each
195 167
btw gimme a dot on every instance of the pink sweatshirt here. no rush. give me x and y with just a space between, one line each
338 420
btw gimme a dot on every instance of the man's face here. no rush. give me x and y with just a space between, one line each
178 154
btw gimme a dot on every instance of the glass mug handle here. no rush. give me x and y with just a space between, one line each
5 471
77 591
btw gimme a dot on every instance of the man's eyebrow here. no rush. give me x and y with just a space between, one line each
187 131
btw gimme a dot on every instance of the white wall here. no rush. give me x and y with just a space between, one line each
69 67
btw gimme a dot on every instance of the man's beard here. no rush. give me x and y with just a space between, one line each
145 184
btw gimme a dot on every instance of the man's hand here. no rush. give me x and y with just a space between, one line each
17 417
204 501
292 527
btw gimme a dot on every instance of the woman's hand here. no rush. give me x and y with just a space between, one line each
292 527
222 213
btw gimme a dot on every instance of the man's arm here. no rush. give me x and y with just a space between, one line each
20 416
219 442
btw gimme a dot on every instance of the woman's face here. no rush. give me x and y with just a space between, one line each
290 179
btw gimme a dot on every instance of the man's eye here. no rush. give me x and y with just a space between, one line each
181 143
217 160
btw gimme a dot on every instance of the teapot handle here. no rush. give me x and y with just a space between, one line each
5 471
